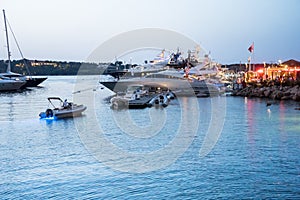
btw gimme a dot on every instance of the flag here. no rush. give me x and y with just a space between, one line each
251 48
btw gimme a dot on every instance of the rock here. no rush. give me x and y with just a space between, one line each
267 93
273 92
294 90
296 97
277 95
286 98
261 92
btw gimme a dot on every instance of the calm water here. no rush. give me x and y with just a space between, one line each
108 154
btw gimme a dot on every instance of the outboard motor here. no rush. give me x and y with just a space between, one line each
49 113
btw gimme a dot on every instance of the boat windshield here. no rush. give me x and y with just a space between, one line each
134 88
167 76
56 102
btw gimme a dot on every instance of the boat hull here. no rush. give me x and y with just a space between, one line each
63 113
178 87
162 99
10 85
34 82
28 81
121 102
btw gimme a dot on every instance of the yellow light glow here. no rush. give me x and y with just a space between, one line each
260 71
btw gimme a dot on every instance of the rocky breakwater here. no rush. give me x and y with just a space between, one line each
272 92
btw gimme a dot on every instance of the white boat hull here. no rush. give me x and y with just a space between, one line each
63 113
177 86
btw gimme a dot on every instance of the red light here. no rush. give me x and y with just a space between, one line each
260 71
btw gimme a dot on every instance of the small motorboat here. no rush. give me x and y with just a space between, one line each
62 109
136 96
141 96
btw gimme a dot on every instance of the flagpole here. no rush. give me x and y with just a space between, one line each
251 49
253 56
250 63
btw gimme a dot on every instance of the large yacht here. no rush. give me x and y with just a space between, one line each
121 70
176 81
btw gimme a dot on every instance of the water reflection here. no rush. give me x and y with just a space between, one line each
250 113
257 155
282 111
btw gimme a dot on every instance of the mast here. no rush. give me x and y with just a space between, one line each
7 44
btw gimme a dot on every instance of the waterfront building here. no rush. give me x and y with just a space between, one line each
286 70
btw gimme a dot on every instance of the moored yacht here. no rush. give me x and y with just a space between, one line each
171 79
121 70
29 80
7 84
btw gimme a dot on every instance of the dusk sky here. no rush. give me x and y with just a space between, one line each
69 30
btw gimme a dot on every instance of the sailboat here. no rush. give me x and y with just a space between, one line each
7 84
29 80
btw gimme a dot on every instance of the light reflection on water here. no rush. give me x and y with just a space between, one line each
256 156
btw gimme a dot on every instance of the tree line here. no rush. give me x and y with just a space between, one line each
47 68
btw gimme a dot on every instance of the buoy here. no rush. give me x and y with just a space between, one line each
268 104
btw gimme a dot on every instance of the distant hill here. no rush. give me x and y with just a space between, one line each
46 68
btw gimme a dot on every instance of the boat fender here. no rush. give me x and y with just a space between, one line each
161 98
152 101
170 95
156 100
166 101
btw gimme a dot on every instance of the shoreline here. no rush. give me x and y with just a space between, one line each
274 92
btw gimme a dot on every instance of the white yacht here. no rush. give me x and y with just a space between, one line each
174 80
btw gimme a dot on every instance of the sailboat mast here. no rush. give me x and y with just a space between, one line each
7 44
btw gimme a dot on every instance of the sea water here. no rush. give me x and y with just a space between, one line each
205 148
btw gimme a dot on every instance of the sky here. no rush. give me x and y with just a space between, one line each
70 30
